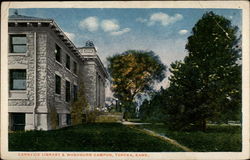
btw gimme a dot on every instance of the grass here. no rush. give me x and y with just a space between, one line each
89 137
217 138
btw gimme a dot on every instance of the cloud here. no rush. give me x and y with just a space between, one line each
90 23
110 25
71 36
160 17
117 33
164 19
141 20
183 32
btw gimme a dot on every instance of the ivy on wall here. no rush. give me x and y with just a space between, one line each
77 107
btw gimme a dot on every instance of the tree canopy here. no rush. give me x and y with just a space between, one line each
134 72
207 84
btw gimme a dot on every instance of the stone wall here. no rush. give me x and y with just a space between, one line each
53 68
24 101
89 72
101 87
46 69
25 61
94 77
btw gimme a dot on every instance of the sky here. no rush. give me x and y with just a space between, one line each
113 30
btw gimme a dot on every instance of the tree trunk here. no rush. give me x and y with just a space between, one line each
127 107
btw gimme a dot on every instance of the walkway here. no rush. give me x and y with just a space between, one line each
152 133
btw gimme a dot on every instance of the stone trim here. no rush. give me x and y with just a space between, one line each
20 109
27 109
59 74
67 79
59 63
18 94
42 109
17 54
18 66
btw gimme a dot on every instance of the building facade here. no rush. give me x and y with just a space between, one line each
45 69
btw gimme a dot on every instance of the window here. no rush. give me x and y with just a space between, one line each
58 84
75 92
68 61
68 119
18 44
17 78
75 67
18 120
67 91
58 53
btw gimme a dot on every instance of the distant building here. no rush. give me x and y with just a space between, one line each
45 68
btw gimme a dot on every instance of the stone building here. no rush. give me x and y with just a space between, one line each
45 68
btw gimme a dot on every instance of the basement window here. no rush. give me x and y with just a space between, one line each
18 121
68 119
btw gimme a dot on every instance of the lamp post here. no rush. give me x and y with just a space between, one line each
116 105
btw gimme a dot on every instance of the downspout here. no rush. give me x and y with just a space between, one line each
34 107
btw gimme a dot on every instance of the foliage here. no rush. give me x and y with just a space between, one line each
134 72
89 137
217 138
110 117
91 115
207 84
53 117
152 110
79 106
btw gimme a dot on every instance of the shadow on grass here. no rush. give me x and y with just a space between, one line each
89 137
217 138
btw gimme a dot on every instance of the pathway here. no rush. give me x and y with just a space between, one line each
152 133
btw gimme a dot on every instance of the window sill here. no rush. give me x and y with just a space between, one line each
75 74
18 94
17 54
59 63
68 69
67 102
71 72
58 95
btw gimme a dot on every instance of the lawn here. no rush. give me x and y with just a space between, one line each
89 137
217 137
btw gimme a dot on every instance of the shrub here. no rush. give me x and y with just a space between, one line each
77 107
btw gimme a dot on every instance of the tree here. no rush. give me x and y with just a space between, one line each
207 84
152 110
134 72
78 108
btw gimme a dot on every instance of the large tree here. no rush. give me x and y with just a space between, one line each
134 72
207 84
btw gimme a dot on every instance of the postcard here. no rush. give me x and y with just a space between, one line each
121 80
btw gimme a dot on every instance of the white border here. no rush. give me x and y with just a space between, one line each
244 5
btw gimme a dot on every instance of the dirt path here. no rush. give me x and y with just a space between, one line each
152 133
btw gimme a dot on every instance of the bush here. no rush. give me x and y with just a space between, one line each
92 115
77 107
